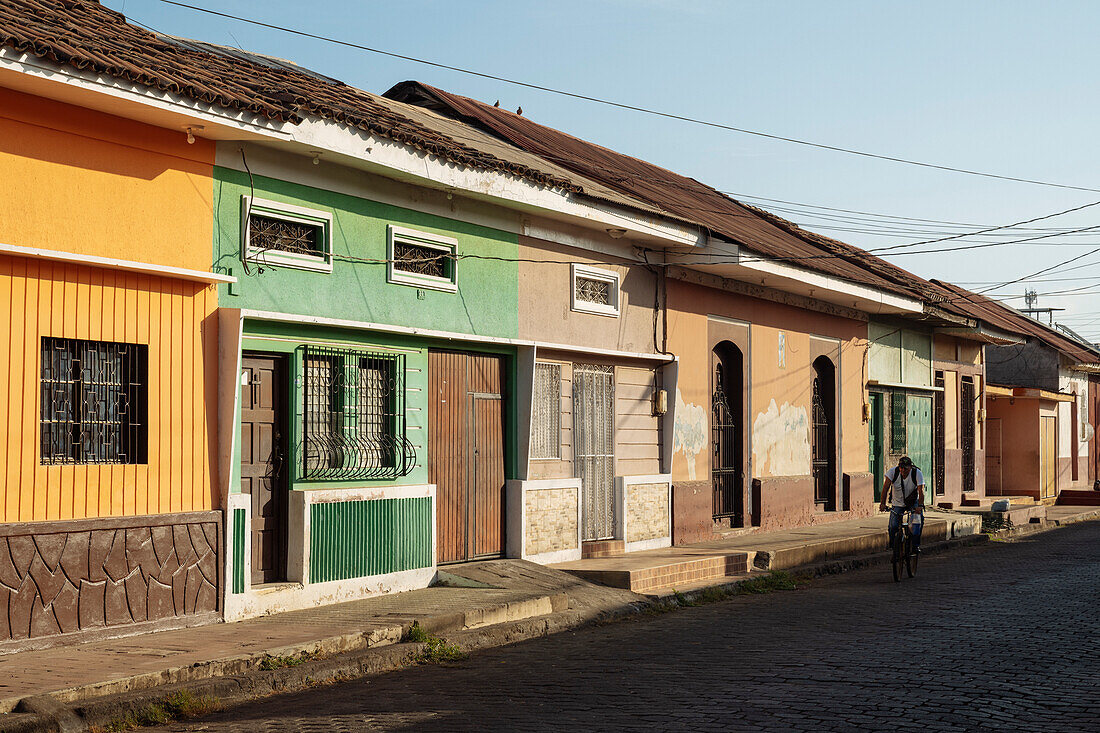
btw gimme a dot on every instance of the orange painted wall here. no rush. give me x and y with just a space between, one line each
689 306
176 320
91 183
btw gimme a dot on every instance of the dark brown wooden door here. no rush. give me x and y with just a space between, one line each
263 463
466 453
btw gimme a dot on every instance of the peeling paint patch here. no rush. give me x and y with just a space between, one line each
781 441
689 434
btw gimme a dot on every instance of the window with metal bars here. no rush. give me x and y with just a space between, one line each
266 233
285 235
422 259
94 397
595 290
546 412
354 415
898 409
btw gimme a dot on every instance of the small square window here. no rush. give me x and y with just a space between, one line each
595 290
421 259
284 235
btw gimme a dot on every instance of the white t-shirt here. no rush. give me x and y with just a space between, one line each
903 487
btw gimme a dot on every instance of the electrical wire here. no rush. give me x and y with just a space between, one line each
631 107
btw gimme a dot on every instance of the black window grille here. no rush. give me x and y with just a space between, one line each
593 290
280 235
422 260
354 415
898 407
94 397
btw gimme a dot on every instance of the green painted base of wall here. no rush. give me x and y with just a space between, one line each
239 538
357 539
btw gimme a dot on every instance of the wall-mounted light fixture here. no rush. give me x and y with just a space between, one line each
616 233
191 130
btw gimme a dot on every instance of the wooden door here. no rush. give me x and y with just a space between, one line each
466 453
263 463
993 485
1048 468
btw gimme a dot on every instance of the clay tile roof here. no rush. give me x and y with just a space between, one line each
85 35
1009 319
680 196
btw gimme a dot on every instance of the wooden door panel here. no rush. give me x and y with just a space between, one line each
263 465
488 476
466 453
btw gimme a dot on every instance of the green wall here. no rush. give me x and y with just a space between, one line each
486 303
288 338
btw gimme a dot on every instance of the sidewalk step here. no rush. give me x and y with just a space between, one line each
603 548
640 574
1078 497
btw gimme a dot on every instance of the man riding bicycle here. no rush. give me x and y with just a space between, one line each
904 489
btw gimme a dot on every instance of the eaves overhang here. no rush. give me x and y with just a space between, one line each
338 143
982 334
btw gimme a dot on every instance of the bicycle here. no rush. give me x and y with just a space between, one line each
903 551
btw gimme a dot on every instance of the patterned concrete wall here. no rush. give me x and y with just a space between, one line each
77 576
646 512
551 520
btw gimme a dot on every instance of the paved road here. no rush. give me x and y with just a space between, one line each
1008 637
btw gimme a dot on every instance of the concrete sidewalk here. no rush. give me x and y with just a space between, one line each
688 566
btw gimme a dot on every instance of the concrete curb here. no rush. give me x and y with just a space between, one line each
252 683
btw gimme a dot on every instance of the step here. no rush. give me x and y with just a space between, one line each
640 574
603 548
1079 497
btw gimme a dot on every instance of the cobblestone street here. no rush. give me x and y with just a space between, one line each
1000 636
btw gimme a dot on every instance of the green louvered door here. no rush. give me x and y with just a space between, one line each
919 434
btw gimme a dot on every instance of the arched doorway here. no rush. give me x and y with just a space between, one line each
727 433
824 433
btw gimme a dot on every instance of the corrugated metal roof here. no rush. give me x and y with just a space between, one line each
680 196
1008 319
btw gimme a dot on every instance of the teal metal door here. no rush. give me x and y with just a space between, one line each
875 434
919 434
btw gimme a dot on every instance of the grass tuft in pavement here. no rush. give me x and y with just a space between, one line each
177 706
435 649
270 662
773 581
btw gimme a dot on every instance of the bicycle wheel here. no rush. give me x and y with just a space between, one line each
910 559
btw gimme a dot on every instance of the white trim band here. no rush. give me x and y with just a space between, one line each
179 273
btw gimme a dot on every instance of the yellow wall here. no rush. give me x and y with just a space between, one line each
86 182
176 320
89 183
791 384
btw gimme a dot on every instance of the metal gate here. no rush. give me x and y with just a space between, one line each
919 434
967 398
939 438
594 447
725 470
822 456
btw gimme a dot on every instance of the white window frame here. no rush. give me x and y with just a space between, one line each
594 273
286 212
558 452
446 245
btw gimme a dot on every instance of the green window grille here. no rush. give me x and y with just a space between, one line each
897 422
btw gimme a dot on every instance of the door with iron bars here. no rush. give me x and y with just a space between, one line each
466 450
726 465
264 464
594 447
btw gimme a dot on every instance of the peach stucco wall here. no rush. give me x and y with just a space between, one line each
545 285
781 386
95 184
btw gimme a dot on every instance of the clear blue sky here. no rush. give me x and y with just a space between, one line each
999 86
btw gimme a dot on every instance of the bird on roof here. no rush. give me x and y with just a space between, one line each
497 103
519 110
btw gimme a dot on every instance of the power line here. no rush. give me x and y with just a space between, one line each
631 107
